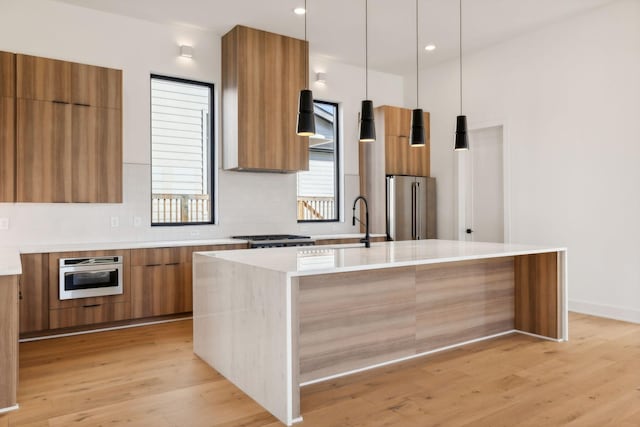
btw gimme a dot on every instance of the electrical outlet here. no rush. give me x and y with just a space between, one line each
194 233
115 222
137 221
4 223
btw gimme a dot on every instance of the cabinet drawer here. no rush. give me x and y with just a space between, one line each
89 314
43 79
158 256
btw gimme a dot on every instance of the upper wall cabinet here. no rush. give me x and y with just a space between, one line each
262 75
7 128
400 157
68 132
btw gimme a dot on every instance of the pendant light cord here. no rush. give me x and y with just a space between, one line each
460 40
366 49
417 59
306 63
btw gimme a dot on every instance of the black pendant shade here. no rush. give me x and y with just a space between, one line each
462 137
367 124
306 116
417 128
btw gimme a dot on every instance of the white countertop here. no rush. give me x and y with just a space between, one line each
10 262
309 260
95 246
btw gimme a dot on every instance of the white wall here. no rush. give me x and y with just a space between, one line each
569 97
247 202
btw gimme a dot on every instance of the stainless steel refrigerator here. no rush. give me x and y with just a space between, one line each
411 208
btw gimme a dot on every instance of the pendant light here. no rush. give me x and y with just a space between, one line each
306 117
367 124
462 137
417 119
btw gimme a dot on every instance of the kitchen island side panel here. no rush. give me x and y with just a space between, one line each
242 328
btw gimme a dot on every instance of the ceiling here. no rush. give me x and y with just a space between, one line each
336 27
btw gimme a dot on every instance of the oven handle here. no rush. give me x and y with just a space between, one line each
89 268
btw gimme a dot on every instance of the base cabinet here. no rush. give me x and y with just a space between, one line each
161 281
34 293
8 341
89 314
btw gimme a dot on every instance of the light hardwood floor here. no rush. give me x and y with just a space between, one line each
148 376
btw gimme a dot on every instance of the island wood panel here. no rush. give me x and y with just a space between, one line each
8 341
43 151
461 301
34 293
43 79
536 294
89 314
7 148
7 75
56 303
356 319
96 86
96 144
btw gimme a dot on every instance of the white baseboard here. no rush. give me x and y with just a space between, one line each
602 310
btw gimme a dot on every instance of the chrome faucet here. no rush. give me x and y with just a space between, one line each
367 243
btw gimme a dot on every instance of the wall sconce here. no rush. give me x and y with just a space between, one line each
186 51
321 78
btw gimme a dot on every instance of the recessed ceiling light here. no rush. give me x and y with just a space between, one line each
299 11
430 47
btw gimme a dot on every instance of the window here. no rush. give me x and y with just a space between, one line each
318 187
181 151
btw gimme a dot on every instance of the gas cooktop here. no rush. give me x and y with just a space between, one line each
276 240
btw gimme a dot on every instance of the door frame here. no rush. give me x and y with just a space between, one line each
460 162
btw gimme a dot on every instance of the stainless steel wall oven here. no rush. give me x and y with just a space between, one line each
90 277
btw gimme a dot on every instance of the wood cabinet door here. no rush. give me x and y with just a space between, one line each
161 289
7 75
263 74
7 149
43 79
397 121
44 160
396 155
96 144
96 86
34 293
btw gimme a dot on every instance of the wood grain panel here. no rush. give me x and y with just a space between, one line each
9 325
89 314
262 75
400 157
397 121
34 293
460 301
97 150
161 289
7 148
155 256
536 294
54 261
353 320
43 79
44 159
96 86
7 75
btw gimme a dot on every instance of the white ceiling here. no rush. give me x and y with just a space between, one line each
336 27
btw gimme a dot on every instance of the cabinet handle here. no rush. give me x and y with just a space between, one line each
60 102
81 105
152 265
91 305
173 263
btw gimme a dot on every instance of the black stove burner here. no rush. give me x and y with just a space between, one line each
264 237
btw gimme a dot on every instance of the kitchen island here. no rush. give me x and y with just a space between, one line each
273 320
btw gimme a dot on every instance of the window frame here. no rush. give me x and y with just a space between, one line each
337 182
211 147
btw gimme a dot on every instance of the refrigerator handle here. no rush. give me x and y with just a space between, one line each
418 213
413 211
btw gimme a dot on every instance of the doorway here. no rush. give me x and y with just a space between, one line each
482 213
